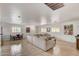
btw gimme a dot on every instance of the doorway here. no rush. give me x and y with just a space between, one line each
1 36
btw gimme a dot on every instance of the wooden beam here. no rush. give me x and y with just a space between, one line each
54 6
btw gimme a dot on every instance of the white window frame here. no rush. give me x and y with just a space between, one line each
16 29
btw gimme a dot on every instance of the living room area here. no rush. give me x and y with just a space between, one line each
39 29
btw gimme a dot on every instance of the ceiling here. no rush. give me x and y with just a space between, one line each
30 13
33 13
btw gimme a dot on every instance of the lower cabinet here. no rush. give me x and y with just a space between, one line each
41 42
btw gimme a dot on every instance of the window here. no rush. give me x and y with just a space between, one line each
16 29
55 29
43 29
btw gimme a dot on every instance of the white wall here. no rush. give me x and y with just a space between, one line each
69 14
7 30
69 38
32 30
60 35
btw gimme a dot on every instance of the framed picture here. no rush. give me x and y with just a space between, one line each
48 29
27 29
68 29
